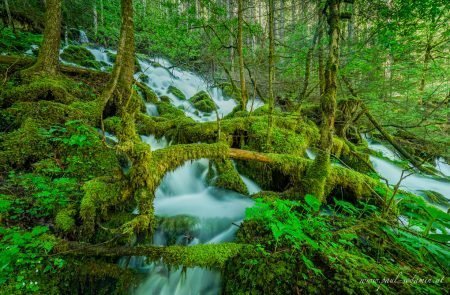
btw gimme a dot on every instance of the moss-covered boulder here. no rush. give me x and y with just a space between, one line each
228 177
144 78
177 92
165 98
81 56
203 102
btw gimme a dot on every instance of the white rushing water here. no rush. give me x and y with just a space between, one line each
185 192
415 183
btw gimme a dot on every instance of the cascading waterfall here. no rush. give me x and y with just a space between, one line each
83 37
416 182
185 192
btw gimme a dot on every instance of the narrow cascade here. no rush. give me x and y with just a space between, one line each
83 37
416 182
200 213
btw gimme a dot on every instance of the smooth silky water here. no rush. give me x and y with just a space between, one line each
416 182
186 192
218 212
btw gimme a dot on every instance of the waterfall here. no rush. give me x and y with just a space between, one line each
83 37
185 193
416 183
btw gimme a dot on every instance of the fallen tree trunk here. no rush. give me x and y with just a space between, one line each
168 159
207 255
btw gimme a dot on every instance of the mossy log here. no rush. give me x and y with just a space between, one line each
359 185
207 255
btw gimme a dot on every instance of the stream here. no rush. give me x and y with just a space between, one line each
185 195
214 213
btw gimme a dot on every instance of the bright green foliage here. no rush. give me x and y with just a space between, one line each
24 268
19 42
302 249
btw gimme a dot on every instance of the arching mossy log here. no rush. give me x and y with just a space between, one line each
207 255
360 185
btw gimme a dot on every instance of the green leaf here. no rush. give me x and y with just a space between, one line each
440 238
313 202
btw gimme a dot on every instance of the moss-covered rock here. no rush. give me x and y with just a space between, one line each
165 98
81 56
41 87
144 78
23 147
177 92
203 102
228 177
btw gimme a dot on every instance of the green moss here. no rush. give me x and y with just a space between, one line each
64 220
203 102
148 94
144 78
100 194
177 92
81 56
112 124
228 90
167 110
228 177
24 146
52 88
165 98
351 156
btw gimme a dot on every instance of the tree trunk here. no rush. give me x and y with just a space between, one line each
321 70
48 58
271 68
8 13
426 62
95 20
241 54
318 173
308 60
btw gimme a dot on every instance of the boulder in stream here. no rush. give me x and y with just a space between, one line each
203 102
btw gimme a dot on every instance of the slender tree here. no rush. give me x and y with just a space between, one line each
241 54
271 67
48 58
318 173
120 89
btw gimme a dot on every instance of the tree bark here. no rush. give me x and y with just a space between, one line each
48 58
319 171
271 68
241 54
8 13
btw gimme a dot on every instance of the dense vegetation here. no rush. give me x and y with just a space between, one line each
327 71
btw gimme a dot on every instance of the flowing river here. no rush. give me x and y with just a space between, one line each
207 214
210 214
